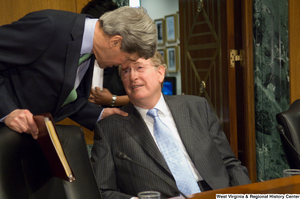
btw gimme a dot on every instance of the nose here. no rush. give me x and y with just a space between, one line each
133 74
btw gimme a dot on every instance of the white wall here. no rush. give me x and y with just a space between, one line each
159 9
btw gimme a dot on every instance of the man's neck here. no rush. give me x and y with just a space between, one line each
145 104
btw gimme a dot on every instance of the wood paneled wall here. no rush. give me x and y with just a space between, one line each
13 10
294 51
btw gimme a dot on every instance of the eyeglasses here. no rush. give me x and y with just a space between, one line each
137 68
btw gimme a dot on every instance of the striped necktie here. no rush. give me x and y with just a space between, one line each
73 94
174 156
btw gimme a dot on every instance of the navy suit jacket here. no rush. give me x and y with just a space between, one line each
201 135
39 56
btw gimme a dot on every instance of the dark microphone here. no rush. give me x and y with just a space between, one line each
123 156
281 131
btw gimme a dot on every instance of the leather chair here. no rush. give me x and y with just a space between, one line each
289 129
24 171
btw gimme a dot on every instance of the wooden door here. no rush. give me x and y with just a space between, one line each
204 68
209 29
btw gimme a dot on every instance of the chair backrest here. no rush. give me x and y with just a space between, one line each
289 129
24 171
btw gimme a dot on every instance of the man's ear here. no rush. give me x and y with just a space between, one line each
161 71
116 41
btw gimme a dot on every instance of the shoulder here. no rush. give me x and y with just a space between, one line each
186 99
114 120
54 17
50 12
193 104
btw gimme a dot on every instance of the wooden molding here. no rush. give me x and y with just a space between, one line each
294 42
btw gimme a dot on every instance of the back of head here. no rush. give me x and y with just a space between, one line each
136 28
96 8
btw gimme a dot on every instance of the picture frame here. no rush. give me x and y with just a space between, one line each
163 53
178 25
172 58
171 26
160 31
178 58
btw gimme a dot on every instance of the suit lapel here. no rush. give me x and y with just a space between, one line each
181 117
190 135
138 129
72 57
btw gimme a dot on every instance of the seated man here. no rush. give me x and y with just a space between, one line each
205 159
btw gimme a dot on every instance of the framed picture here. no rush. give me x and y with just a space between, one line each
160 31
178 25
172 58
163 53
171 24
178 57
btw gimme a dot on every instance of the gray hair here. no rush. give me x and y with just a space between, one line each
158 60
135 26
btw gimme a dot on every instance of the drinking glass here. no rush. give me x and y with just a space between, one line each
149 195
291 172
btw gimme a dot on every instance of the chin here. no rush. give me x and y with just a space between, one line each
140 96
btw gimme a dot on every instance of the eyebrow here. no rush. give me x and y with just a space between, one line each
136 62
136 59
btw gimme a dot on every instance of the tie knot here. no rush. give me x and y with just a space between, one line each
152 113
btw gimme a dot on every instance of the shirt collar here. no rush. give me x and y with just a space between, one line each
88 35
161 106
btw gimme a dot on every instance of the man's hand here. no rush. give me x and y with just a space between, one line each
101 97
109 111
21 120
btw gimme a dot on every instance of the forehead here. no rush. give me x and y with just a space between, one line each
133 57
140 61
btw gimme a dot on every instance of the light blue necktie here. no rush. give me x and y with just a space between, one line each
174 156
73 94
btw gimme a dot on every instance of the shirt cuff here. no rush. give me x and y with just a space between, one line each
100 115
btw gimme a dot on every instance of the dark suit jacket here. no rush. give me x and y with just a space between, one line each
200 132
39 56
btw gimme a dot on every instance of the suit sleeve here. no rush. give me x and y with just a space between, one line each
104 168
21 43
238 173
87 116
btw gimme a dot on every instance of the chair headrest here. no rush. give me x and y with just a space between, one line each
290 121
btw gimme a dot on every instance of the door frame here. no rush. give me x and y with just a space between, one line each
248 86
294 53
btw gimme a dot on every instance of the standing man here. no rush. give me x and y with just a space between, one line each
39 62
177 137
